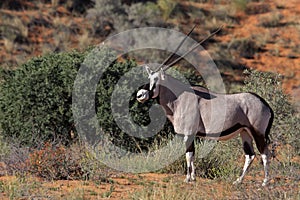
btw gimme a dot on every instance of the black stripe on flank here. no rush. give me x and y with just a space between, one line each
223 133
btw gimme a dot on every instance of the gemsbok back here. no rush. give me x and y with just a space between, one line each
193 112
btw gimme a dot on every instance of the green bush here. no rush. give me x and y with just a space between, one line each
35 102
105 117
36 98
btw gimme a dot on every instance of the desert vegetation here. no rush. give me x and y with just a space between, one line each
44 44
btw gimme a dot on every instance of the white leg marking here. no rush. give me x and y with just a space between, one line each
189 158
248 161
265 160
190 176
193 176
185 139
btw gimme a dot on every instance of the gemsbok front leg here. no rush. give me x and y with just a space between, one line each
190 157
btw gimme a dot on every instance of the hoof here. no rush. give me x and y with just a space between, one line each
265 183
187 180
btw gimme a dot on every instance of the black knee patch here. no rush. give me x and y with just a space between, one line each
260 143
248 149
191 148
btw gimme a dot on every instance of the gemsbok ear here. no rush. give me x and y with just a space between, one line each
148 70
162 74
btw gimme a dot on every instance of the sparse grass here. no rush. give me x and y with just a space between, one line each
212 23
27 187
261 39
296 49
283 185
57 22
18 25
280 4
54 3
275 51
76 194
244 47
84 40
271 20
167 6
18 187
239 5
108 193
62 40
254 9
157 158
170 191
9 45
166 179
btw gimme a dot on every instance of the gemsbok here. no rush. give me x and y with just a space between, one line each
194 111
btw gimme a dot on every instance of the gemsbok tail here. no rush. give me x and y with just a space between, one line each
268 130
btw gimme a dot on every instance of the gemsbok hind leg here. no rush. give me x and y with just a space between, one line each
247 141
263 149
190 157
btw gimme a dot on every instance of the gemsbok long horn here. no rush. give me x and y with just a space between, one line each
178 47
192 49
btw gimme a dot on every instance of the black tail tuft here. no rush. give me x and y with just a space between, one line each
267 138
